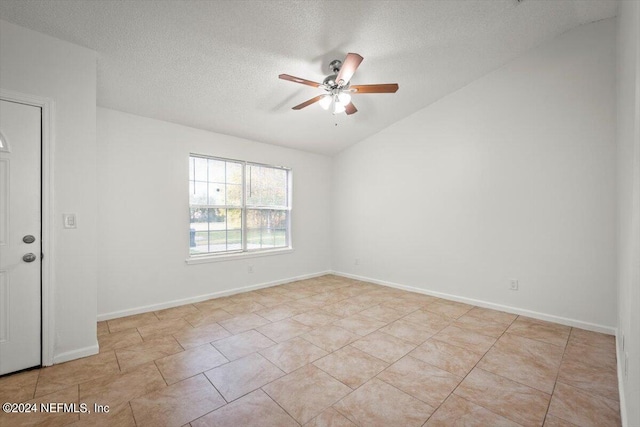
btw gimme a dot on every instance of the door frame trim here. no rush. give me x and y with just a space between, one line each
47 186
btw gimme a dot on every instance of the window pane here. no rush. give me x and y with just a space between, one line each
217 230
234 219
216 194
266 228
234 173
217 241
200 242
225 230
199 231
234 240
234 194
200 169
217 171
214 178
198 193
266 186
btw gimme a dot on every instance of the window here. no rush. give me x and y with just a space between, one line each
237 206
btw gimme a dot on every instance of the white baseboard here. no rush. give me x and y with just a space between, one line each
480 303
620 365
191 300
76 354
485 304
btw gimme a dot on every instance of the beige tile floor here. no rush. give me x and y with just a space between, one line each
330 351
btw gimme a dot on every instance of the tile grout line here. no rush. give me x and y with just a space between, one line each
35 388
280 406
216 389
487 409
132 413
392 385
555 383
230 401
160 372
389 364
474 367
526 385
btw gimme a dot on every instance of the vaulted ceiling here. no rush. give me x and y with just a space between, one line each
214 65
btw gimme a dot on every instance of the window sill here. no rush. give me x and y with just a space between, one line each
203 259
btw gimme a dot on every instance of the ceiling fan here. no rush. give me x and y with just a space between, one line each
338 86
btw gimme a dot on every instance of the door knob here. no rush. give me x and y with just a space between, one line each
28 238
29 257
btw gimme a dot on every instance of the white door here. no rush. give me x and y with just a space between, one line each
20 231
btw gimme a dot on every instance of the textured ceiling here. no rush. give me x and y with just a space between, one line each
214 64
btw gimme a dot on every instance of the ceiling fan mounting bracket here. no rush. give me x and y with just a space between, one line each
335 65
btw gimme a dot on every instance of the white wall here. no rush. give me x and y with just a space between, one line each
629 207
513 176
143 221
39 65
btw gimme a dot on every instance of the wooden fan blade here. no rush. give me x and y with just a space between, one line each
350 109
309 102
382 88
298 80
349 66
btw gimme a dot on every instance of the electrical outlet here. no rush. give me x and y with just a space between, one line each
513 284
250 269
357 261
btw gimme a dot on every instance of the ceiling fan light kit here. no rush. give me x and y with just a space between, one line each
337 102
337 85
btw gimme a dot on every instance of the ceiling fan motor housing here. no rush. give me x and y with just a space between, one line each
330 82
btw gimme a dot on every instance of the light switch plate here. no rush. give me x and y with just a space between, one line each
69 220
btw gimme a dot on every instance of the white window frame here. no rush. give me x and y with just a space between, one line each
244 252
